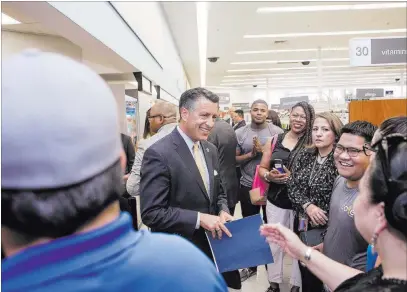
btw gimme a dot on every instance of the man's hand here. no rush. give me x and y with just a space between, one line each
225 217
214 225
126 177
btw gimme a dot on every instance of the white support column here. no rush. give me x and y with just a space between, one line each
319 68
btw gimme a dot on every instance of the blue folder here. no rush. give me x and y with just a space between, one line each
246 248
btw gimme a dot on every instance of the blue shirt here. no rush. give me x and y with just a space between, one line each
112 258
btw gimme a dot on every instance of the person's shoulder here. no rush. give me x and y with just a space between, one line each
339 182
159 143
241 130
274 129
186 267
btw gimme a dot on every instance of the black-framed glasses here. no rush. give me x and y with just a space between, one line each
368 149
164 117
354 152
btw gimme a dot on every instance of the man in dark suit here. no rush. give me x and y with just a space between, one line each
180 189
224 138
238 120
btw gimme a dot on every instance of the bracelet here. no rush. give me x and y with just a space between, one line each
307 205
307 256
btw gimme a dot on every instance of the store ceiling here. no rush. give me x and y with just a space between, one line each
233 36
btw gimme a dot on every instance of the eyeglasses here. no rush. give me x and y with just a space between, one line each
354 152
164 117
299 117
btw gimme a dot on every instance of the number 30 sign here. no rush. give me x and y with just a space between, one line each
378 51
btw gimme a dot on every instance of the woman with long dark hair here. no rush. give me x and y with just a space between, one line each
380 212
279 207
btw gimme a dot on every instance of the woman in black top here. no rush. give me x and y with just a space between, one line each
310 185
279 208
380 212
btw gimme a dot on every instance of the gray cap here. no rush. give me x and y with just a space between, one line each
59 122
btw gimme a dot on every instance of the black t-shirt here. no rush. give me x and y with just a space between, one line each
277 193
372 282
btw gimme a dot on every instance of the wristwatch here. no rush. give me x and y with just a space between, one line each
307 257
265 176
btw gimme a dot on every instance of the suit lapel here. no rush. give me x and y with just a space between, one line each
187 158
209 165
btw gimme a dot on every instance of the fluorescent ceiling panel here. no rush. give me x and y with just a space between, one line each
370 76
289 51
332 33
289 61
202 28
293 81
331 7
315 73
282 69
5 19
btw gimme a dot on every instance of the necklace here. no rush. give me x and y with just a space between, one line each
314 173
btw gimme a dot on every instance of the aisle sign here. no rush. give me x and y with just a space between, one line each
367 93
378 51
289 102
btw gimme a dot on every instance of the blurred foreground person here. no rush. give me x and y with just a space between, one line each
380 212
62 229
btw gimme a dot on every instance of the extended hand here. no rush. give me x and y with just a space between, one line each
285 238
317 215
214 225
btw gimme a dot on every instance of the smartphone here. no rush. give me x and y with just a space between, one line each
278 164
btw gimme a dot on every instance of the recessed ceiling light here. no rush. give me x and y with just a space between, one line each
289 51
332 33
289 61
331 7
5 19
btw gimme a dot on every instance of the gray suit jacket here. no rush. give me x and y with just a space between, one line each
224 138
133 183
